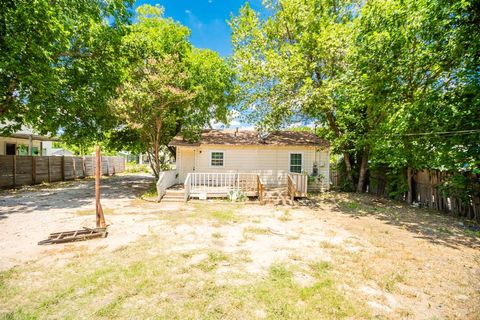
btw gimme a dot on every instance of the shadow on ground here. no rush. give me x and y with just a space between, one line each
73 194
431 225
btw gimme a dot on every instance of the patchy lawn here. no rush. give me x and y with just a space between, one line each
339 256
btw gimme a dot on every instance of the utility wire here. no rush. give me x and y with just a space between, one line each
441 133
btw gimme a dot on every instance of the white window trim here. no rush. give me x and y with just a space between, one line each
289 161
210 159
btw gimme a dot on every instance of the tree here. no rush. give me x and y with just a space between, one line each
59 64
414 58
294 62
170 87
372 74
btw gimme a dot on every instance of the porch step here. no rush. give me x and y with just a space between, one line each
174 195
277 196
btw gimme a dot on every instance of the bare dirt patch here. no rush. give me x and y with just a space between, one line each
29 215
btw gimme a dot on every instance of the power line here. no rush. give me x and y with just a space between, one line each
442 133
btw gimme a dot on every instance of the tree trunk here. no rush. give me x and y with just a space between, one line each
346 157
409 182
348 169
363 171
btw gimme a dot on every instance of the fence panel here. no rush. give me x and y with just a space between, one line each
24 170
7 167
41 169
425 191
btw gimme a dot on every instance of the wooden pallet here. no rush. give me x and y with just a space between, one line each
75 235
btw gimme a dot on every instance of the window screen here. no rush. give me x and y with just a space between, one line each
296 162
216 159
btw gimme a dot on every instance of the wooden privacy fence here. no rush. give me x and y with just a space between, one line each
25 170
425 191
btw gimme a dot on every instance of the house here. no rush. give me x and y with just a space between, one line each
26 142
251 159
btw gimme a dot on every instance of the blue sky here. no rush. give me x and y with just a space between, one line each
207 19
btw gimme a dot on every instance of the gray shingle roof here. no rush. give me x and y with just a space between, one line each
250 137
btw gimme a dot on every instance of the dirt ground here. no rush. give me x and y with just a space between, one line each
334 256
29 215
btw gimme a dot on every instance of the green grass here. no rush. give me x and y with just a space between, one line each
151 192
129 283
213 261
281 298
224 213
390 281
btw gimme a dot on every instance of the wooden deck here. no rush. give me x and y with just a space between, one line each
216 185
203 185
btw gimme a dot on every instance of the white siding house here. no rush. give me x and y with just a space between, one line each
271 157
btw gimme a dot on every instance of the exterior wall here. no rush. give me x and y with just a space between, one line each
47 145
271 163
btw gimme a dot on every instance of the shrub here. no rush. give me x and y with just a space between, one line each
236 196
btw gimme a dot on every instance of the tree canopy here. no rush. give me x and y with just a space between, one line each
58 64
374 75
169 86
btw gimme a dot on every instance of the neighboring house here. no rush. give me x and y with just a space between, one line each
61 152
270 159
25 142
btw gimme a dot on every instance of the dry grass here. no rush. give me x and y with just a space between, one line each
350 257
129 282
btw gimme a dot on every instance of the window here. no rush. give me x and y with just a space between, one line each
23 150
216 159
296 162
10 149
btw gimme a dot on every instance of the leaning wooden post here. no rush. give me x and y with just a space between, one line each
99 212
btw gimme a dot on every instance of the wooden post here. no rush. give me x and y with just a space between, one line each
84 168
48 171
34 170
100 219
63 168
74 168
14 157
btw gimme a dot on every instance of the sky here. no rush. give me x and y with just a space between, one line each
207 19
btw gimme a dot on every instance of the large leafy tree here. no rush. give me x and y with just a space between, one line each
414 59
294 62
59 64
373 74
170 87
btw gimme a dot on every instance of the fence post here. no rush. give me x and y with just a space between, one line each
74 168
14 157
48 169
84 169
63 168
34 170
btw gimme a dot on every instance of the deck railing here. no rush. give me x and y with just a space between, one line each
260 189
291 187
297 185
220 184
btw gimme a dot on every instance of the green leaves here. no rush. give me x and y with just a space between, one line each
59 66
169 86
371 73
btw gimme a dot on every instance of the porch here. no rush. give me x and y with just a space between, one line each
219 185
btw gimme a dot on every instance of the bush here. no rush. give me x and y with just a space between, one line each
236 196
133 167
